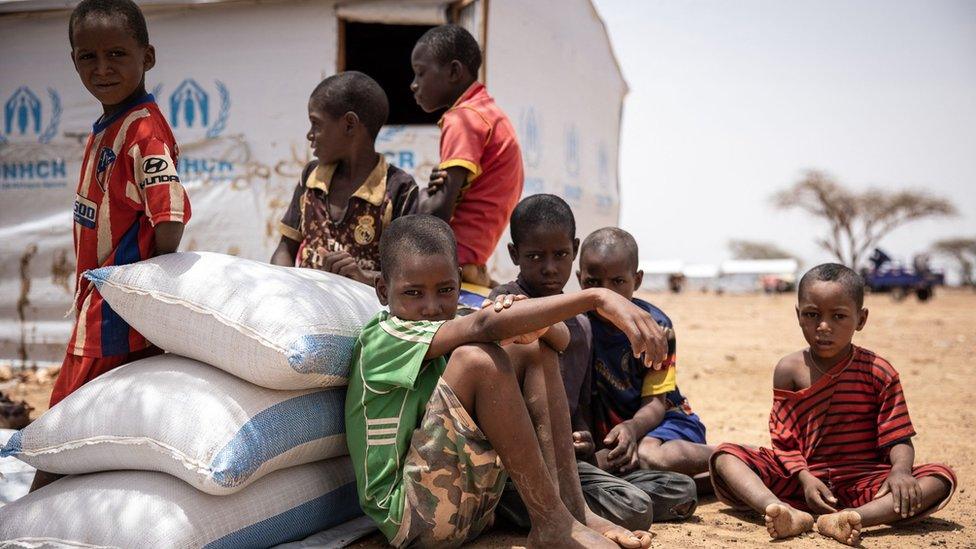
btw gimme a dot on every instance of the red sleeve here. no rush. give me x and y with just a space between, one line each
464 134
894 424
160 192
786 445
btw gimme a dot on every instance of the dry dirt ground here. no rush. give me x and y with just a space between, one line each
727 347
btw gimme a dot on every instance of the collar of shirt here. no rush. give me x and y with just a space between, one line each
473 90
372 190
101 124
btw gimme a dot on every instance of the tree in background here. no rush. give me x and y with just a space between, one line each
963 250
857 220
752 249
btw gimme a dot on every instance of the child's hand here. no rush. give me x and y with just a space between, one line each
583 444
818 496
622 442
341 263
436 182
905 492
503 301
645 336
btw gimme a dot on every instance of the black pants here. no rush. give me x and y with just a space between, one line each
634 501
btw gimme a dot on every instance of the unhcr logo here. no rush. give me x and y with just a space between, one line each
25 117
191 107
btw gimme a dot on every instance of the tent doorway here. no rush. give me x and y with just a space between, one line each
383 52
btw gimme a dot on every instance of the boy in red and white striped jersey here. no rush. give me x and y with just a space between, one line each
130 204
840 430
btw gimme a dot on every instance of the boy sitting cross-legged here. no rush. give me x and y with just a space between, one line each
840 430
642 418
435 416
544 247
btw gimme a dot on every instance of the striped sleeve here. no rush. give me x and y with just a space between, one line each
782 432
394 350
160 190
894 423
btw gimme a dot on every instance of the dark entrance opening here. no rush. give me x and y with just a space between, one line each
383 52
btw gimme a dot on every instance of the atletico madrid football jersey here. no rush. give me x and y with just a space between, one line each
128 185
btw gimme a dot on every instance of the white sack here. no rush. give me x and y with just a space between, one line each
130 509
179 416
278 327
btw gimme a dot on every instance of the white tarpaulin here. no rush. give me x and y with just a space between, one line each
238 108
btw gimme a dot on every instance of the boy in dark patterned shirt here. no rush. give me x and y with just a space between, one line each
349 194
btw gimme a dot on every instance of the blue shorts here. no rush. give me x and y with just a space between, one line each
678 425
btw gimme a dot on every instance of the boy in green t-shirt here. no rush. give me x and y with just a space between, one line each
435 415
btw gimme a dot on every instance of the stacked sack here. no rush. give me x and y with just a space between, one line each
234 438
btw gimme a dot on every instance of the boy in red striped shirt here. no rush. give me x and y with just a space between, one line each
130 204
840 430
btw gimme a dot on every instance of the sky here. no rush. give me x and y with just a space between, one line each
730 102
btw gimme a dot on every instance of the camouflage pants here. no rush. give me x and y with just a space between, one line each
452 478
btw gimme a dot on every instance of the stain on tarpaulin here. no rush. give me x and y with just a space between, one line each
23 300
289 169
235 156
62 270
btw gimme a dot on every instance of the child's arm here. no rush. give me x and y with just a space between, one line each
645 336
285 253
905 490
168 236
343 264
624 438
442 192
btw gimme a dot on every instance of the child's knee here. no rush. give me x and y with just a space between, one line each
723 461
533 355
482 360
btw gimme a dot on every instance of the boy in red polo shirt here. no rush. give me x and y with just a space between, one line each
479 179
130 204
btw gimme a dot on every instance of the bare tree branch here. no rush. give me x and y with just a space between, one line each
857 221
963 250
751 249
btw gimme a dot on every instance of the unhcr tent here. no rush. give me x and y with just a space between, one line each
233 78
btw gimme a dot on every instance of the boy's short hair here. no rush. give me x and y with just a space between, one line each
852 282
130 13
541 210
612 238
450 42
353 91
416 234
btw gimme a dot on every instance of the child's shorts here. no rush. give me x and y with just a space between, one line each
452 478
853 484
677 425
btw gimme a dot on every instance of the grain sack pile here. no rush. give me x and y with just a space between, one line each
234 438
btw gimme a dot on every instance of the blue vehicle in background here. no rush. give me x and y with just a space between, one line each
887 276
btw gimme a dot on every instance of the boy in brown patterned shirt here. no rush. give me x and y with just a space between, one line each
349 193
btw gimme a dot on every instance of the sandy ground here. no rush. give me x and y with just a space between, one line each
727 348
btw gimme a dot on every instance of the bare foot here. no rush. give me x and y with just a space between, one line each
783 521
578 536
843 526
637 539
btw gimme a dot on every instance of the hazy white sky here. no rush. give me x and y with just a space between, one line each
731 101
